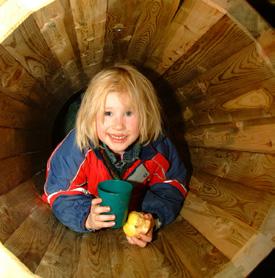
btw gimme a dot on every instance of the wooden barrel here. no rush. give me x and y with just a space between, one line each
213 61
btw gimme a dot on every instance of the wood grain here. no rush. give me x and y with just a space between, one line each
90 19
235 239
239 74
27 45
30 241
191 22
120 26
153 20
51 22
62 255
224 231
244 14
212 48
15 206
252 136
17 169
235 199
18 84
18 114
254 170
19 141
200 257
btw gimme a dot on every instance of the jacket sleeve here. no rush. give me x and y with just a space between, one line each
65 188
168 187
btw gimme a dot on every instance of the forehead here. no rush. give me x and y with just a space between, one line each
118 99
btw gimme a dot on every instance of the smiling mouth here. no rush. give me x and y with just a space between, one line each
118 139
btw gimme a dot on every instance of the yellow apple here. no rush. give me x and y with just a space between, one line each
136 224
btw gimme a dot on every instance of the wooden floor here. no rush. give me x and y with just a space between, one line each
189 247
51 250
31 232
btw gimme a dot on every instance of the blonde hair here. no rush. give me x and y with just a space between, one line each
124 79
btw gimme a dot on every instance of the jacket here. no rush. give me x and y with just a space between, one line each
72 177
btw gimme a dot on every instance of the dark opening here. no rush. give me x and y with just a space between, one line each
266 8
65 120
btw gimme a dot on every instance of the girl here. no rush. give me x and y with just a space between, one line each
118 135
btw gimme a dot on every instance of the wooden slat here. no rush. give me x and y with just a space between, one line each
252 104
17 169
62 255
242 72
90 20
224 231
19 141
214 46
236 199
120 26
231 236
200 257
191 22
18 84
153 20
30 241
266 40
18 114
51 22
251 136
254 170
27 45
243 13
15 206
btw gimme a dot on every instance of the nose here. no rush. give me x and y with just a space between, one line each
118 122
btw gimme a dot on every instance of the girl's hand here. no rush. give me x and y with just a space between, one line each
96 220
143 239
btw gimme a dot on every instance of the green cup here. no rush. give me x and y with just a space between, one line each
116 194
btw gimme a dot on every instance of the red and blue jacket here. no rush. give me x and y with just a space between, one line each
73 175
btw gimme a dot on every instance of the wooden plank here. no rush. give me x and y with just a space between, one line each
242 72
153 20
120 26
30 241
212 48
18 114
15 206
266 40
27 45
120 258
192 21
17 169
235 199
19 141
222 229
256 103
51 22
200 257
243 13
254 170
90 20
62 255
18 84
251 136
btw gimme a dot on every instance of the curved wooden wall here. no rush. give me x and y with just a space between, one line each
217 57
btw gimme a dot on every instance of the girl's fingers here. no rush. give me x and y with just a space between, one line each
104 217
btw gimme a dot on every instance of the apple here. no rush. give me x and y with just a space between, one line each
136 224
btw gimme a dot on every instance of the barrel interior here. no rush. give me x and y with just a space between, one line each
212 62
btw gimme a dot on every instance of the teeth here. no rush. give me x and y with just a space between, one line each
118 137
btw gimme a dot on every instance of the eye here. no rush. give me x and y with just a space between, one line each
107 113
129 113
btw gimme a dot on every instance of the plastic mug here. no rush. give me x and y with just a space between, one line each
116 194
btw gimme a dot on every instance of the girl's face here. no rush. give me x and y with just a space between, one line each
120 126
